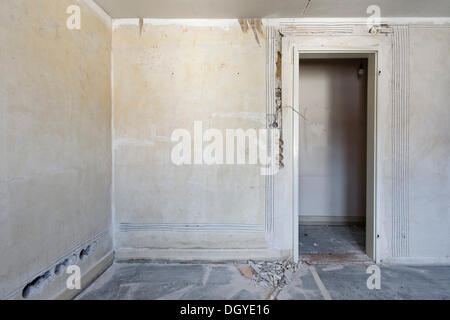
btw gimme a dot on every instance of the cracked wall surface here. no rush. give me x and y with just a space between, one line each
429 143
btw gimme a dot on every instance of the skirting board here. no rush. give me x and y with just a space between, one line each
87 278
330 220
416 261
200 254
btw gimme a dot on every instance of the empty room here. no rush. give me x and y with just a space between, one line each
216 150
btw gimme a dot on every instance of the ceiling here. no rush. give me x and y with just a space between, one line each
191 9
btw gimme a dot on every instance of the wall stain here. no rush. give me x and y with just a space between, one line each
257 27
278 73
244 25
141 26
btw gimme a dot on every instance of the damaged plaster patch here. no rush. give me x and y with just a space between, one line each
244 25
278 65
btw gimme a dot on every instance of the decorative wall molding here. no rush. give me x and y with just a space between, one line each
235 254
273 50
400 141
299 29
326 29
411 21
192 227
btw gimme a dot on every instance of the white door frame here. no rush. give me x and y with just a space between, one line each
371 176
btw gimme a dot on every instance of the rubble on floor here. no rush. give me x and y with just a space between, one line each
275 274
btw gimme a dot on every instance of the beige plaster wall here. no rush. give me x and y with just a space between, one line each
55 140
429 147
165 78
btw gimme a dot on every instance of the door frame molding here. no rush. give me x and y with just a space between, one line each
292 102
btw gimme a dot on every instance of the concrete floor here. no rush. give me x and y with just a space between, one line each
142 281
331 255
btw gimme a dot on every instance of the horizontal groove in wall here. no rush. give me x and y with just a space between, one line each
192 227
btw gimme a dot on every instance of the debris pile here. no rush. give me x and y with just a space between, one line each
272 273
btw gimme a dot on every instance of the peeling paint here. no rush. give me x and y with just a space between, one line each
256 25
244 25
278 65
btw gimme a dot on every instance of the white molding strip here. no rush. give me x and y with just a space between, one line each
417 261
272 49
400 142
191 227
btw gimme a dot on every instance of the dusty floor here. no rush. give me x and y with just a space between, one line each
332 239
333 265
223 281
